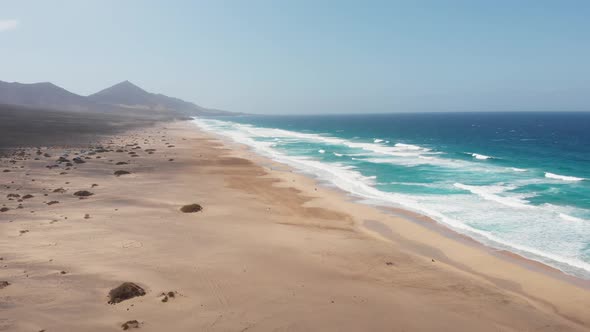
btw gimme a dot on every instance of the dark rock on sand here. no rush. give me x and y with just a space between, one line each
79 160
121 163
59 190
83 193
4 284
130 324
52 202
27 196
120 172
125 291
190 208
4 209
12 195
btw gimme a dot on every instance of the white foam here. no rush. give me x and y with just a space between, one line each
491 193
377 140
480 156
409 147
570 218
562 177
337 154
321 151
517 169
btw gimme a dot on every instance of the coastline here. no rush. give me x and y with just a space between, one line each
404 213
272 249
407 216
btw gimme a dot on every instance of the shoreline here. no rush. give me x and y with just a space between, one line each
271 250
421 219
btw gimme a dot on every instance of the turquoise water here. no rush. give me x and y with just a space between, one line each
516 181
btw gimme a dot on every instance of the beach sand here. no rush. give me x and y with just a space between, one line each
271 250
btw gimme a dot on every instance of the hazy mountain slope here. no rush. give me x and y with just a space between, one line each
129 95
45 95
124 97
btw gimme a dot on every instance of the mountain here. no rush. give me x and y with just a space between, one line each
129 95
46 95
124 97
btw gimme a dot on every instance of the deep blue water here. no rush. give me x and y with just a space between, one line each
517 181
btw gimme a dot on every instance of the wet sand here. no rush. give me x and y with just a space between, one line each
270 250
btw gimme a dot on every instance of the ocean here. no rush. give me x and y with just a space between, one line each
512 181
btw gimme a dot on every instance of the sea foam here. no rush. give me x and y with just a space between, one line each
562 177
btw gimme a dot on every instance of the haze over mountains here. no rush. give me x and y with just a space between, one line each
124 97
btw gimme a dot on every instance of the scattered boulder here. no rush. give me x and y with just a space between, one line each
121 163
191 208
27 196
4 209
12 196
83 193
121 172
130 324
4 284
59 190
79 160
169 295
125 291
52 202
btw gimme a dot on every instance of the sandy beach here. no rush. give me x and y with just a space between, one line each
271 249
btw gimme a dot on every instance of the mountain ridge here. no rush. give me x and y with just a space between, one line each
121 97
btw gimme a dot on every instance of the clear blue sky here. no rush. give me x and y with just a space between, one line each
310 56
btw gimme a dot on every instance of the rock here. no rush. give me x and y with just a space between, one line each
79 160
120 172
4 209
59 190
125 291
191 208
130 324
83 193
27 196
52 202
4 284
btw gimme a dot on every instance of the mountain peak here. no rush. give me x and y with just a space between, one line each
126 86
